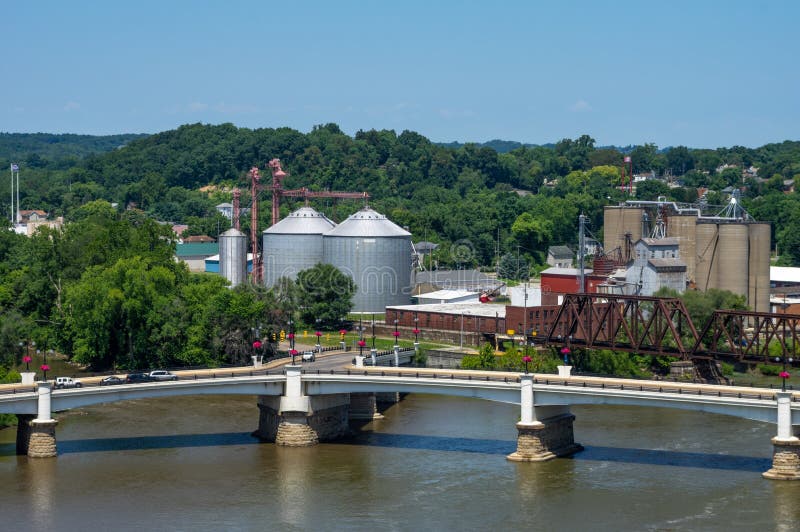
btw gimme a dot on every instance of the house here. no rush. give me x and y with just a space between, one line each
559 256
199 239
424 253
226 209
28 216
656 265
194 254
178 229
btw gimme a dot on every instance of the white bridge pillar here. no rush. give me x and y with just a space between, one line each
543 432
785 446
36 437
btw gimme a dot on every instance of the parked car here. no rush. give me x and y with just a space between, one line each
162 375
308 356
112 380
138 377
67 382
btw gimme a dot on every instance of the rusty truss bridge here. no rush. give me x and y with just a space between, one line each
662 326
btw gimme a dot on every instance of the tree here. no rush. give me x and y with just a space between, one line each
324 294
679 160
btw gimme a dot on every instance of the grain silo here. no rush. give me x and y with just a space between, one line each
707 244
618 223
732 265
233 256
759 282
294 244
683 227
376 254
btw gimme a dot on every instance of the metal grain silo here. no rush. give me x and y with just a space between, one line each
233 256
760 244
376 254
294 244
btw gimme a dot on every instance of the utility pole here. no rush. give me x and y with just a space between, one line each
581 252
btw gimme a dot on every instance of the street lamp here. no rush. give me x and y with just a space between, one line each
373 332
396 333
785 374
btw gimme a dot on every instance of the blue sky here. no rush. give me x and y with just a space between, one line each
697 73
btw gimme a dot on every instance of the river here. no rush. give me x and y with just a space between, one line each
434 463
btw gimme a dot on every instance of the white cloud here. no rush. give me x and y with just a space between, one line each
581 106
72 106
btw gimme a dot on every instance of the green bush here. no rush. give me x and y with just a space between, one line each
768 371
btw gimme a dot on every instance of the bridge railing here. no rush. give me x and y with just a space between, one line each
666 388
675 388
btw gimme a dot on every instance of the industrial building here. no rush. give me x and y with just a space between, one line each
656 265
728 250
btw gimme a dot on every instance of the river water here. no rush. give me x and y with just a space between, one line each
434 463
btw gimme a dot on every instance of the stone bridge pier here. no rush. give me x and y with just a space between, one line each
786 445
36 434
299 420
544 432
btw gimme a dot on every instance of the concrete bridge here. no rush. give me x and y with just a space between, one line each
302 407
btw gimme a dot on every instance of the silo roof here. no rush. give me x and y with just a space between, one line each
232 232
368 223
303 221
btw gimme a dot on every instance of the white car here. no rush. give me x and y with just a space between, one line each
162 375
308 356
67 382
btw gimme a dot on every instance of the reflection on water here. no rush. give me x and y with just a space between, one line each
434 463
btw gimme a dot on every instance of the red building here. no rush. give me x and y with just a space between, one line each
556 282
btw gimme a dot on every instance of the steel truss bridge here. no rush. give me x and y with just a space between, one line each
662 326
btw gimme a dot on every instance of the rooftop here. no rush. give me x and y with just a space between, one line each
573 272
483 310
196 249
447 294
303 221
560 252
784 274
368 223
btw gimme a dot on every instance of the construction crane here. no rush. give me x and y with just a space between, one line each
277 189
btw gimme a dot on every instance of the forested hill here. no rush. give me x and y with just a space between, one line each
500 146
30 148
465 198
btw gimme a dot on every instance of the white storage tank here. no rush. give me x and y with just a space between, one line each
233 256
376 254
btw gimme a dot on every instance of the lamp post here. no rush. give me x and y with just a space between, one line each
318 334
396 333
461 333
785 374
373 352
